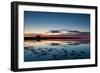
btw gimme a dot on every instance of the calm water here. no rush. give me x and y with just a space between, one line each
44 50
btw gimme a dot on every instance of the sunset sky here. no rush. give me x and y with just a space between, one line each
40 22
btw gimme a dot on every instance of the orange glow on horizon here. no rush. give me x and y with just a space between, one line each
38 32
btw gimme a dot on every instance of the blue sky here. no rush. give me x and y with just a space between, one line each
38 22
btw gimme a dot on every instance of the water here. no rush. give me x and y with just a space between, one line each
47 50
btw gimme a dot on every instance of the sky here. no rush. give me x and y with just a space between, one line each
40 22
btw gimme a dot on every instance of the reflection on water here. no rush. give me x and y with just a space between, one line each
44 50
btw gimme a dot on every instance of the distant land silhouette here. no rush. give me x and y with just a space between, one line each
59 34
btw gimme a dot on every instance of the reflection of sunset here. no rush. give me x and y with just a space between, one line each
50 42
44 43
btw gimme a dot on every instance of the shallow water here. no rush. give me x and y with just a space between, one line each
46 50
